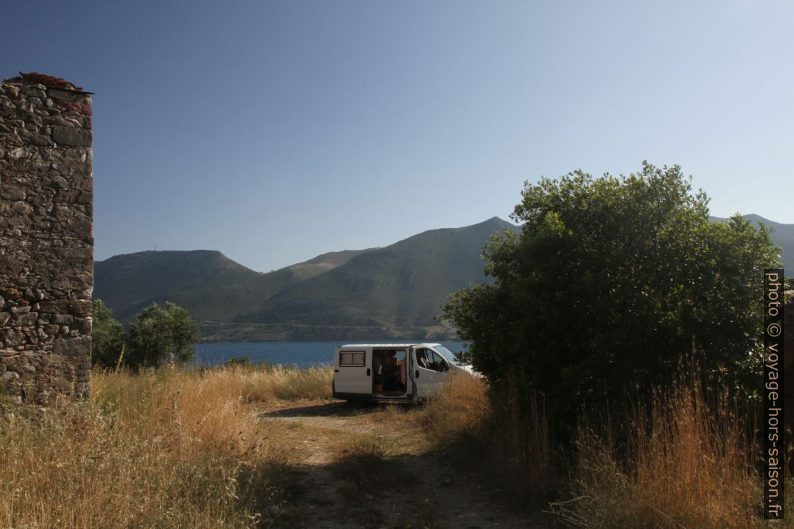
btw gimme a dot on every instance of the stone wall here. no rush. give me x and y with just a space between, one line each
46 240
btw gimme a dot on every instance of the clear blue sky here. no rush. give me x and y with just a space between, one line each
275 131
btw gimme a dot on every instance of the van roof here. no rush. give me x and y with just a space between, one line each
360 345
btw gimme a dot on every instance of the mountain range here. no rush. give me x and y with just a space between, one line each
394 291
389 292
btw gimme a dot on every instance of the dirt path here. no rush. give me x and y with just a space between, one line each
372 467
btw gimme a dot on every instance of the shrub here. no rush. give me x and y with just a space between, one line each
609 284
161 335
107 336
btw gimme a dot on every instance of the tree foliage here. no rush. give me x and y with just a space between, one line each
107 336
611 282
156 336
161 335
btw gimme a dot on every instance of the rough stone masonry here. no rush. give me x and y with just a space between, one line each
46 240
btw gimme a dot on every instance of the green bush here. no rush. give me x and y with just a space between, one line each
156 336
107 336
161 335
611 282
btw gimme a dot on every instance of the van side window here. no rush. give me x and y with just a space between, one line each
352 358
430 360
438 363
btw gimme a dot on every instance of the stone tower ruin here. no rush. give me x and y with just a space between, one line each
46 239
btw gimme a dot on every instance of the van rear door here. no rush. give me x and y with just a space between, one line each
353 370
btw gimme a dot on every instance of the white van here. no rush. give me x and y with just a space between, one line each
402 371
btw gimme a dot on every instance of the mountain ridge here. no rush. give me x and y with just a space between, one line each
416 275
316 298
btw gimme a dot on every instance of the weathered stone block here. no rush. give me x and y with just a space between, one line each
63 319
35 138
71 346
21 208
71 136
13 194
28 319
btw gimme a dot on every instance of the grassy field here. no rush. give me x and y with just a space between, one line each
266 447
160 449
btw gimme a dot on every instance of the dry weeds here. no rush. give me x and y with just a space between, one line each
169 448
687 465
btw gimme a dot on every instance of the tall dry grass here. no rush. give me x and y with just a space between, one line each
494 434
264 383
457 413
687 464
169 448
519 430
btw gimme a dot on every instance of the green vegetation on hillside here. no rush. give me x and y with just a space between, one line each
208 284
402 285
391 291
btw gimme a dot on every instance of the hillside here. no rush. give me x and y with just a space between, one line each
381 292
400 286
209 284
322 263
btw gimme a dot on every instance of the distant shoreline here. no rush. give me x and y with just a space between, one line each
301 354
217 331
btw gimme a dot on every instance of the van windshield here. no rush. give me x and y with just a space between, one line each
448 355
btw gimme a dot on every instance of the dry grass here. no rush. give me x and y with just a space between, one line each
493 435
261 384
688 465
457 412
178 448
521 434
158 449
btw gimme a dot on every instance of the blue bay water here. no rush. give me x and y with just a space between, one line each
299 354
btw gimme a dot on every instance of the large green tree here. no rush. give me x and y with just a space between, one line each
610 284
161 335
107 336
